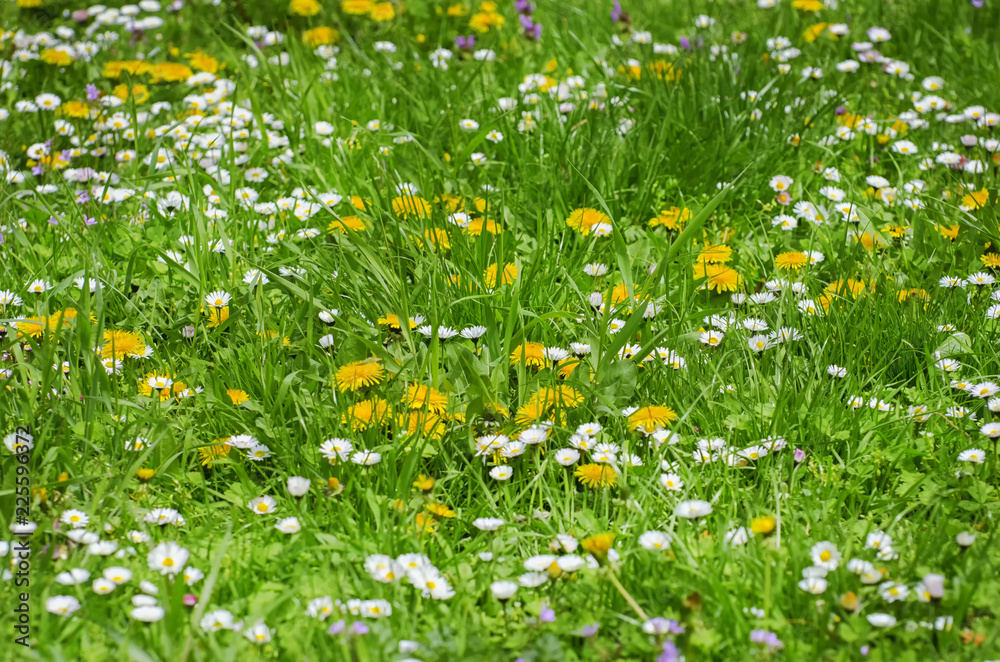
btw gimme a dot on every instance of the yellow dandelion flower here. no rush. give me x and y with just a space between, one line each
991 260
720 277
218 449
419 396
478 225
948 231
321 36
410 206
438 238
763 525
851 286
170 72
664 71
382 12
425 423
75 109
558 396
119 344
533 355
672 219
345 223
914 293
975 200
36 326
567 366
201 61
530 412
791 260
359 374
356 7
424 483
440 510
583 219
508 277
484 20
598 545
304 7
216 316
366 413
596 475
425 523
450 201
813 32
649 419
715 253
138 93
56 56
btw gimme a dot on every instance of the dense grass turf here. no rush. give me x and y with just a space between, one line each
551 331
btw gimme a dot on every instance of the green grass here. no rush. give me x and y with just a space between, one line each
631 147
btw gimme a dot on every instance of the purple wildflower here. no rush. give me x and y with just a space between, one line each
37 170
359 628
670 653
467 43
547 615
92 92
588 630
532 30
685 43
337 627
523 7
766 638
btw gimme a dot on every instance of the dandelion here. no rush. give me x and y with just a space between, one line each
359 374
596 475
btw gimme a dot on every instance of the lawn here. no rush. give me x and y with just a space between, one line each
416 330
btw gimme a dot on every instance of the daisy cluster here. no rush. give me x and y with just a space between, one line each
501 330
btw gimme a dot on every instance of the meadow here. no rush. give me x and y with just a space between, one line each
534 330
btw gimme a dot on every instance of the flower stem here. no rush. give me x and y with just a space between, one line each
628 598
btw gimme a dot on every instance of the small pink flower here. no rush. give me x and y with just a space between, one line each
799 455
190 599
